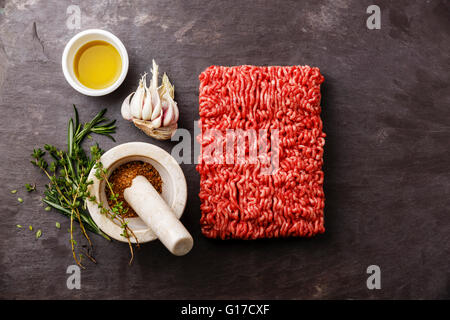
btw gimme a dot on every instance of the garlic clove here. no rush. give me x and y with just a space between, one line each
168 115
125 109
138 100
157 121
173 105
157 108
176 112
147 108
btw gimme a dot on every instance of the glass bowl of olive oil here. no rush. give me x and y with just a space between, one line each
95 62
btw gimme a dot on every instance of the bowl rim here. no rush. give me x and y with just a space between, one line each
114 41
141 149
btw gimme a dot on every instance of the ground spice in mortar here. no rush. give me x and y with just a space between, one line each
122 177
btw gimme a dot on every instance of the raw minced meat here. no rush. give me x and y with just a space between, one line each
239 200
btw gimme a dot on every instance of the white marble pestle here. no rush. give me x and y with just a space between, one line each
155 213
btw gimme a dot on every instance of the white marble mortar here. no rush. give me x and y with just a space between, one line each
174 188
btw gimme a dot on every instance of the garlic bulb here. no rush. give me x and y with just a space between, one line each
152 109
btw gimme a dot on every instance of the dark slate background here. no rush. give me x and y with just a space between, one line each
385 110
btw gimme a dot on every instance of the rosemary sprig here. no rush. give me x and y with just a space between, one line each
68 172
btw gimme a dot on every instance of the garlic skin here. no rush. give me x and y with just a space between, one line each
154 92
162 133
153 109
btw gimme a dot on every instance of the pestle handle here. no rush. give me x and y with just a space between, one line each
155 213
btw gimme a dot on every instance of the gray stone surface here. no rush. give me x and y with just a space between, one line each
385 111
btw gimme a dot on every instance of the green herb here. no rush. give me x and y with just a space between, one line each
68 173
31 228
20 200
18 226
58 225
30 187
13 191
117 211
38 234
48 208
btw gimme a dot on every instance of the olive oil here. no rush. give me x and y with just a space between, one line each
97 64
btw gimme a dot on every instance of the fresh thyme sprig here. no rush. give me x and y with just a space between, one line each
68 174
116 212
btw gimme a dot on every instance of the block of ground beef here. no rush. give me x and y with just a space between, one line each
243 199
